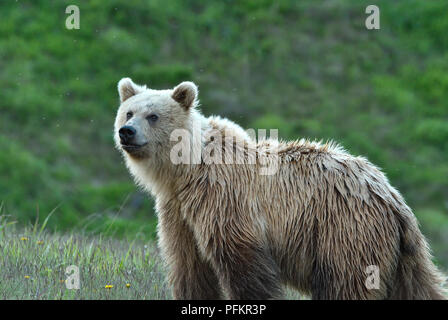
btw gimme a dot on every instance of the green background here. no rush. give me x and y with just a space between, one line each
309 68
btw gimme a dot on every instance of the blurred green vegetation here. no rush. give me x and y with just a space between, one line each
309 68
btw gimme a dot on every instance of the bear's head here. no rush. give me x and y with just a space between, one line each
146 118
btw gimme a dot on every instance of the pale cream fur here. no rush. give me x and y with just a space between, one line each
226 231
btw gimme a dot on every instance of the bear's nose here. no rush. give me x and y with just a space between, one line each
126 133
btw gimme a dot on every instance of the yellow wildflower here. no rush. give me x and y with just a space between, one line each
109 286
24 238
27 277
128 285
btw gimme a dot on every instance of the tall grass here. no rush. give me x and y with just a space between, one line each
33 264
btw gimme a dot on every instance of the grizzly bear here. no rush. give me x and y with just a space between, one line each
302 214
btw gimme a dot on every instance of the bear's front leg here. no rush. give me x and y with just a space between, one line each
189 275
246 270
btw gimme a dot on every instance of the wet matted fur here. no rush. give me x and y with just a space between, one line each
226 231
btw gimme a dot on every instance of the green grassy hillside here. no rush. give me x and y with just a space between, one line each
309 68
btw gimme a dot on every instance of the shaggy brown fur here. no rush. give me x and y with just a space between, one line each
315 225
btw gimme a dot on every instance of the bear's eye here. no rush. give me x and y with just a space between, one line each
129 115
152 117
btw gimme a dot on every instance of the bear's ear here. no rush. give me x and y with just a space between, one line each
186 94
127 88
